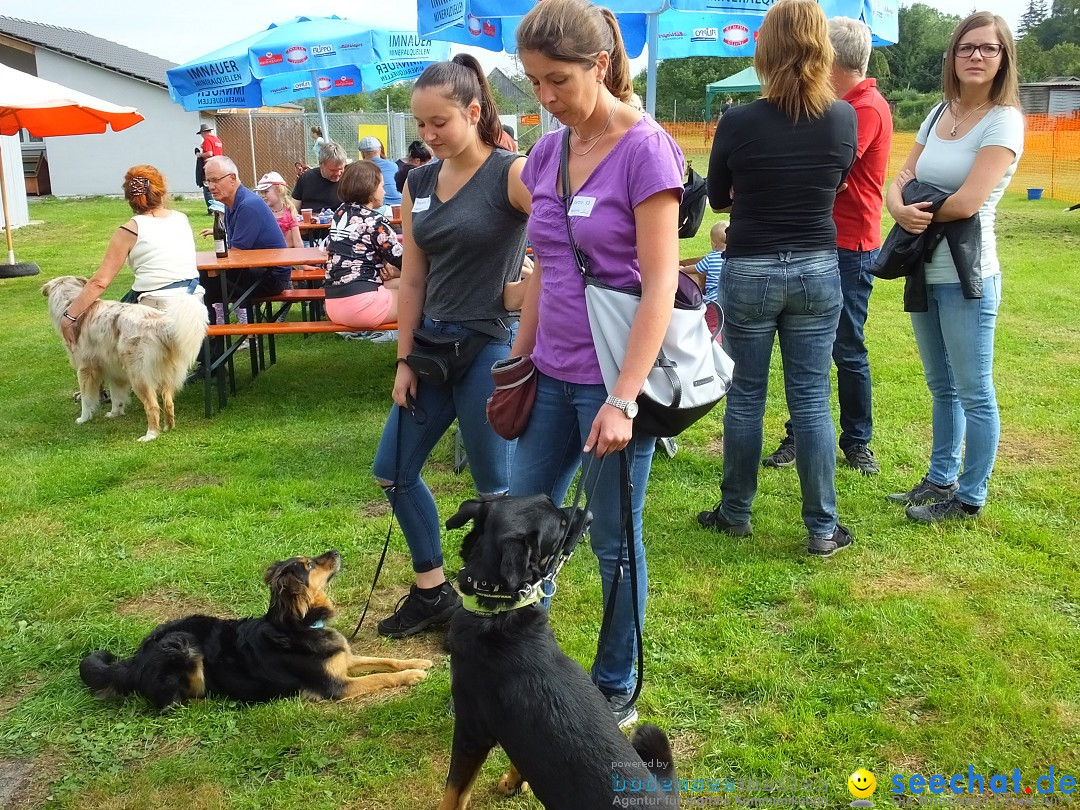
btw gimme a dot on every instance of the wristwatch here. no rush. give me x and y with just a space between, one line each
629 408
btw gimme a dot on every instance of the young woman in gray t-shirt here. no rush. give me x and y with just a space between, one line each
463 226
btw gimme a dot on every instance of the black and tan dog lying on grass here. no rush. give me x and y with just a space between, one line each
287 652
514 686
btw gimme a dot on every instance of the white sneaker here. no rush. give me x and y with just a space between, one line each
389 336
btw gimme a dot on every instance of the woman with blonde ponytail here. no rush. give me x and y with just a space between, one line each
777 165
625 177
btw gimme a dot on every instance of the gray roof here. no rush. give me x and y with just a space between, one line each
1055 81
88 48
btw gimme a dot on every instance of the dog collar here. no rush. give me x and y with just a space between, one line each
471 604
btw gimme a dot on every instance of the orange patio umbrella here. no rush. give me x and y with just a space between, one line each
43 109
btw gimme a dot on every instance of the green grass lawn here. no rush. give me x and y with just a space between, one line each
921 650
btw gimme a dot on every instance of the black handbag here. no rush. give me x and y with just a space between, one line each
440 359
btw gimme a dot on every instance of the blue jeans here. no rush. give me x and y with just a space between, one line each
798 297
548 456
849 348
956 343
436 408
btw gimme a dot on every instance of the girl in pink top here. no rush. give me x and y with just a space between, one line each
271 188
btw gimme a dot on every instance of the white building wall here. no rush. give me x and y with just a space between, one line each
95 164
11 155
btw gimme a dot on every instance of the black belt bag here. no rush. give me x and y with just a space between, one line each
440 359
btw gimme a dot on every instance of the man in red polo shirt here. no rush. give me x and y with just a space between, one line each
211 147
857 215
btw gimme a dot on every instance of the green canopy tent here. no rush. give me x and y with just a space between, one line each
745 81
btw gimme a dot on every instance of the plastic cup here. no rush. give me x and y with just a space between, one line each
306 214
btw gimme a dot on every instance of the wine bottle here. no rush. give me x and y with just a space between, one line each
221 245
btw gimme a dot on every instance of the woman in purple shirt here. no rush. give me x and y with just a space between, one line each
626 181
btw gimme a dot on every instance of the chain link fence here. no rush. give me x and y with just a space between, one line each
262 142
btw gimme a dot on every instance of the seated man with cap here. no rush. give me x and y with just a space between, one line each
249 225
317 188
371 149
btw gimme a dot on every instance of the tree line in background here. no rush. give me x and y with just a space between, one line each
908 73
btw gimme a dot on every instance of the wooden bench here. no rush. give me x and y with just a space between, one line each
36 173
308 274
216 367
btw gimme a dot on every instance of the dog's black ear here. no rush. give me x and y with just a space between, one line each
288 591
518 559
470 510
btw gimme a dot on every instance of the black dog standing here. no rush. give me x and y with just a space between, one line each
513 686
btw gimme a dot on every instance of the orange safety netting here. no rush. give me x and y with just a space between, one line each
1051 159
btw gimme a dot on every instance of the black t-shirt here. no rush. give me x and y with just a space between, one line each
785 175
316 192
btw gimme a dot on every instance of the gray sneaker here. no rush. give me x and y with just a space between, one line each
861 458
951 509
841 538
924 492
624 715
783 456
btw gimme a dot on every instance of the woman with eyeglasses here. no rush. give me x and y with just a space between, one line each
967 147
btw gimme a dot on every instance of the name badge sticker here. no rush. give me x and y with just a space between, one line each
582 206
421 204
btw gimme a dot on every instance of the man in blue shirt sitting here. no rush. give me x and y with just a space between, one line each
249 225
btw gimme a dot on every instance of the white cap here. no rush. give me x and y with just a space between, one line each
369 143
269 179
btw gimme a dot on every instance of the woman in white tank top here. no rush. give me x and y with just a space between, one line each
156 242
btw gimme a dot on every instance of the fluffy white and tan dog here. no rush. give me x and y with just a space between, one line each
130 347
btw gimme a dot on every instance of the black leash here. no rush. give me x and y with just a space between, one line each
631 554
419 416
575 529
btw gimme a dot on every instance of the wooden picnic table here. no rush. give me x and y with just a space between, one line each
271 257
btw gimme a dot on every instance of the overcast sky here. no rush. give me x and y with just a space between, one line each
182 31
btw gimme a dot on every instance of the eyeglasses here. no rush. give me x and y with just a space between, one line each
986 51
213 181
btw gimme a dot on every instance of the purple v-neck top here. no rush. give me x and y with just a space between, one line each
644 162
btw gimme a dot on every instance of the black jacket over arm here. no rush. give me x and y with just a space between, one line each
904 255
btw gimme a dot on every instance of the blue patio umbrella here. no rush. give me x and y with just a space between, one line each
673 29
306 57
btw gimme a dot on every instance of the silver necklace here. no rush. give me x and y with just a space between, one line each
952 132
595 138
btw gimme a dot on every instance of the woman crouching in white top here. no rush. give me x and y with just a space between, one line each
159 245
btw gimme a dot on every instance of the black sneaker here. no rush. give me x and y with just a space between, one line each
414 613
624 715
783 456
713 520
951 509
924 492
841 538
861 458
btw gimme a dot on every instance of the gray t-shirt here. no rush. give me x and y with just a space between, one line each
474 242
947 164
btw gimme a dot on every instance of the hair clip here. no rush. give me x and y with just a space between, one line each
138 186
